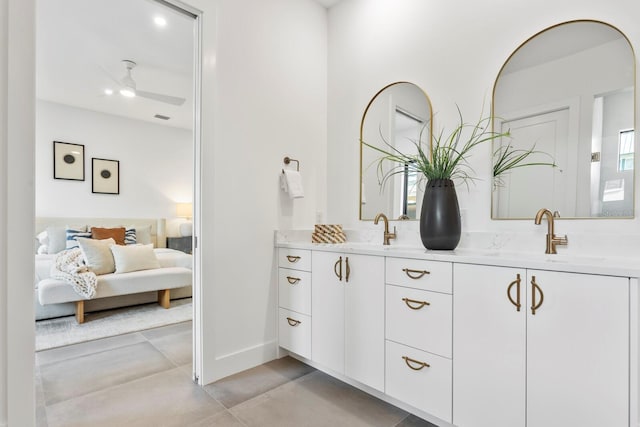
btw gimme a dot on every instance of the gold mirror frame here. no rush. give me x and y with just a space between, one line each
497 127
426 120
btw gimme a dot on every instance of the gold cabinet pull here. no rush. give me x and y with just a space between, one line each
412 363
511 285
346 261
293 322
293 258
293 280
415 274
336 270
535 286
419 305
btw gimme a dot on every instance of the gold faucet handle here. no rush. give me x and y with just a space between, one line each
561 240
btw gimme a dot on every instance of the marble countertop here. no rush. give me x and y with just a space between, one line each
610 266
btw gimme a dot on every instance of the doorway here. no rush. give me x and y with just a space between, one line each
87 53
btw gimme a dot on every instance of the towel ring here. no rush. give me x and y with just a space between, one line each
288 160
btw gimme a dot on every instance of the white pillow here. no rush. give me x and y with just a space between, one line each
57 237
134 258
143 233
97 254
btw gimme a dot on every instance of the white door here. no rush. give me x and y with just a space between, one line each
327 309
577 350
516 197
488 347
364 319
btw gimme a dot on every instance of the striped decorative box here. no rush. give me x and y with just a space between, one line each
328 228
328 233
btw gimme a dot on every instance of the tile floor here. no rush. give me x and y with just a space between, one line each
144 379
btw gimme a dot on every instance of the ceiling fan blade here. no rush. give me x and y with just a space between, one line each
107 74
173 100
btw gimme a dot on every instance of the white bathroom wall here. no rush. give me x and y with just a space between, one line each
454 51
156 164
264 87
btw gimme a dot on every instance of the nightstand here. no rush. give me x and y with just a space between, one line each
180 243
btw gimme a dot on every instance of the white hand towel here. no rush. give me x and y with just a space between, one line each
292 184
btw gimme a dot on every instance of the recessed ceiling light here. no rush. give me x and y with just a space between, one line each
108 91
160 21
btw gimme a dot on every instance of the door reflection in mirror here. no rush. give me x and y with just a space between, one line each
584 71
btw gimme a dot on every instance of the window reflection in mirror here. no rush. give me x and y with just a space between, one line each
569 91
407 129
396 117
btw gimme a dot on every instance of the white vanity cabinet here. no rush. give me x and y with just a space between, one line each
418 334
348 315
294 300
539 348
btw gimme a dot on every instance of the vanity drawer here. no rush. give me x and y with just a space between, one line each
294 290
294 332
298 259
426 327
420 274
428 388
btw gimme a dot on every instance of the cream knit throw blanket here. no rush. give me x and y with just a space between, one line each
69 266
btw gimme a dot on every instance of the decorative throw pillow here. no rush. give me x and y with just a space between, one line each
143 233
134 258
116 234
56 239
72 236
97 254
130 236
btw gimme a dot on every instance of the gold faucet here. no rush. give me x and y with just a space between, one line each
552 239
387 235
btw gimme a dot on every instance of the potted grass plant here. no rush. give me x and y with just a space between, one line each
440 163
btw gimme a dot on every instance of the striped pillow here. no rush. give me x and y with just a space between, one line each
73 234
130 236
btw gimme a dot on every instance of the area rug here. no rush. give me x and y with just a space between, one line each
63 331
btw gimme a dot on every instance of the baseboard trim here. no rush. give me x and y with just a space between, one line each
238 361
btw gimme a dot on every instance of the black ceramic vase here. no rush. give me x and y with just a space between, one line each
440 215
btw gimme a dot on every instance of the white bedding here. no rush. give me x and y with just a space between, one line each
166 258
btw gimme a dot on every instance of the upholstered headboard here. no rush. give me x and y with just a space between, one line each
158 225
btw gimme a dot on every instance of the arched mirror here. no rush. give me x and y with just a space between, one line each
396 116
569 93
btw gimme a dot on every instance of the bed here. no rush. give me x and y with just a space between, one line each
172 280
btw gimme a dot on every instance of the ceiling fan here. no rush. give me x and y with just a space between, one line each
130 90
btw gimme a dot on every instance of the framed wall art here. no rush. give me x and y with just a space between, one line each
106 176
68 161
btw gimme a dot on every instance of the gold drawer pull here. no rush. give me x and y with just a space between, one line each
293 280
293 322
420 364
516 283
418 273
293 258
535 305
420 304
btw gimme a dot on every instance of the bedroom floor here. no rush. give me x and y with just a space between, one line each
144 379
